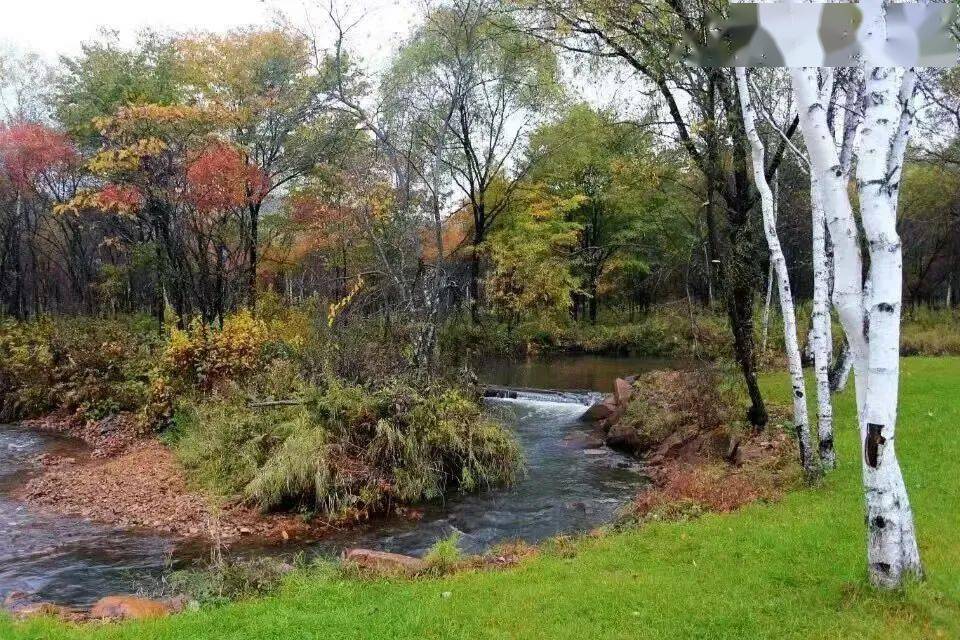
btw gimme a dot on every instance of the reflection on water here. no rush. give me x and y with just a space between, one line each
595 373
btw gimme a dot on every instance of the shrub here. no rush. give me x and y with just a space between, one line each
87 366
229 580
445 555
205 357
349 449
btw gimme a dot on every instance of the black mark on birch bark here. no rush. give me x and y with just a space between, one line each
874 444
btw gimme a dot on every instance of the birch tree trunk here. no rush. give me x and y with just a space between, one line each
892 551
770 273
870 311
821 338
800 417
825 168
765 321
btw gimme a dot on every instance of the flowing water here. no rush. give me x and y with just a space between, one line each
63 559
572 484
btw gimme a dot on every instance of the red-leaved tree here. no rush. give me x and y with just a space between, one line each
220 180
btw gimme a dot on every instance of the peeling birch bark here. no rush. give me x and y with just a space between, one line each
800 418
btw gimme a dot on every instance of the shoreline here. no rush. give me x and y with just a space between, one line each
135 483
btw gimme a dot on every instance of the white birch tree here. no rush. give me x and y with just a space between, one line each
800 415
869 310
821 337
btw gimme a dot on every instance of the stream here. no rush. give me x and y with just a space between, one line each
572 484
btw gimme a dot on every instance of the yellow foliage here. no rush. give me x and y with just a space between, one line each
338 307
207 357
84 199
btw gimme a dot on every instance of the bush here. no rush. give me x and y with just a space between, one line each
348 450
229 580
205 357
85 366
445 555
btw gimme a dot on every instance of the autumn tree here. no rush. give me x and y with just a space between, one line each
530 275
264 77
149 155
38 167
613 168
107 76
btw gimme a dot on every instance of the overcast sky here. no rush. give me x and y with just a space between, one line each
59 27
55 27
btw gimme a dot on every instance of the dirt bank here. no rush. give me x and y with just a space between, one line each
143 487
700 454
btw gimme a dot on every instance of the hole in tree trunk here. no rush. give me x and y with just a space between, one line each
872 446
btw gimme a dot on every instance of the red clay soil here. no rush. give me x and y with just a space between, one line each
144 487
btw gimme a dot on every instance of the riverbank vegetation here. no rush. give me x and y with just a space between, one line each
256 409
680 331
275 267
696 578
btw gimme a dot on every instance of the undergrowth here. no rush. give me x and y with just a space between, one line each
348 449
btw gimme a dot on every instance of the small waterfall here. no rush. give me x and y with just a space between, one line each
549 396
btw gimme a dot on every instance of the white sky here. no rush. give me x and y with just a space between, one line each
55 27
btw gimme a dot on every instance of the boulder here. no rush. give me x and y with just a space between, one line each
624 438
602 410
383 562
129 608
622 392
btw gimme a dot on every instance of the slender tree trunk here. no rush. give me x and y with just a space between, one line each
870 312
594 303
820 336
770 272
848 261
800 418
840 372
765 331
253 255
475 285
892 551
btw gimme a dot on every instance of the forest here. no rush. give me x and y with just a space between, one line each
257 290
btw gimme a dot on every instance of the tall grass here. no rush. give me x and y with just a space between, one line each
348 449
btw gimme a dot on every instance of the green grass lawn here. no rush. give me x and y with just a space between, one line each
790 570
